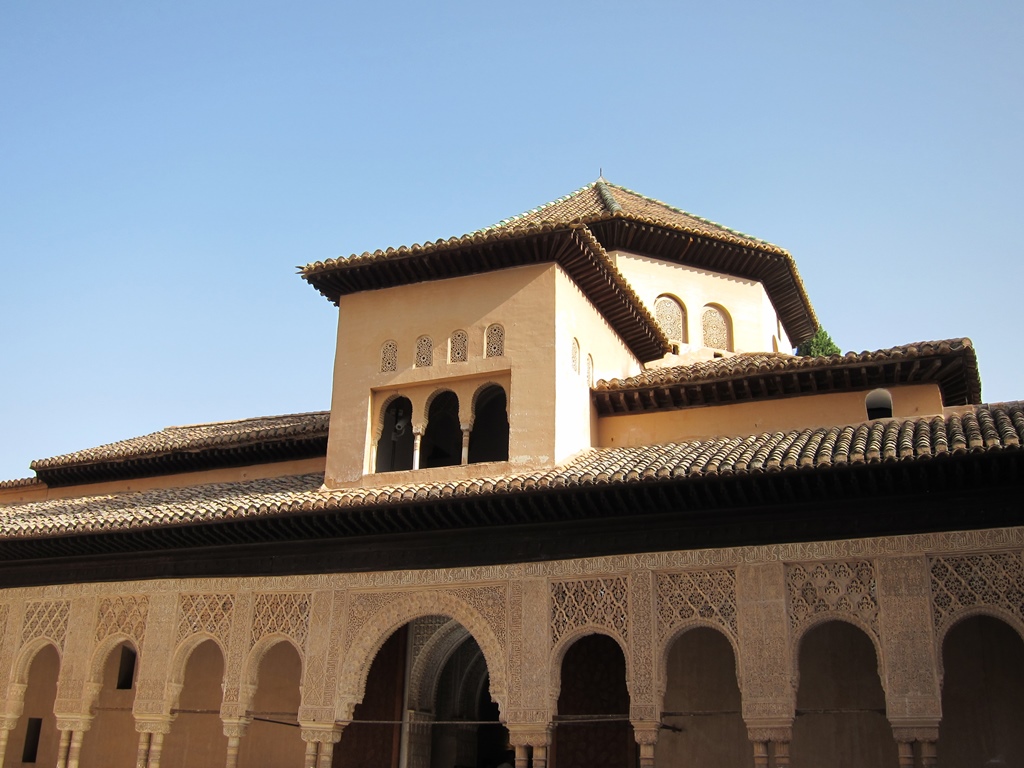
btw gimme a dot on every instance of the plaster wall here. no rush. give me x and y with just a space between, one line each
180 480
805 412
754 320
576 319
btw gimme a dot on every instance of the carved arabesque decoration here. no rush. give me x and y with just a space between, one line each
589 602
286 613
123 614
46 618
204 613
847 588
969 582
697 597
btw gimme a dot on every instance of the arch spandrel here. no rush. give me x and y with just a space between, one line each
371 635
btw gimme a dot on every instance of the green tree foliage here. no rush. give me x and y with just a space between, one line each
818 345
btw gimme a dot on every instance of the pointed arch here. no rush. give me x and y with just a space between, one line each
369 638
27 654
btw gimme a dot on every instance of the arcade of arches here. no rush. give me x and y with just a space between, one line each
858 653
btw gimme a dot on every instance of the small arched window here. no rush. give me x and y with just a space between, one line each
389 356
458 347
442 439
495 339
394 448
717 328
879 404
424 352
590 370
575 356
489 439
671 317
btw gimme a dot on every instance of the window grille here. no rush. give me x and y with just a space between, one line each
389 356
424 352
495 341
458 347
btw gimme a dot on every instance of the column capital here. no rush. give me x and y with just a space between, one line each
234 727
774 733
73 722
154 724
320 732
902 732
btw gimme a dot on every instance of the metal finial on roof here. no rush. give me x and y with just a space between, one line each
600 174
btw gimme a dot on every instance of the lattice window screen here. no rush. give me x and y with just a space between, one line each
389 356
458 347
424 352
495 341
716 328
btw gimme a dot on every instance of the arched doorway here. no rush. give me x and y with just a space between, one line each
273 737
592 725
112 740
197 733
35 737
442 439
489 439
701 714
395 446
840 704
427 703
982 695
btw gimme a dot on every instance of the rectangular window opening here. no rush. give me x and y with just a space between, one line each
28 754
126 672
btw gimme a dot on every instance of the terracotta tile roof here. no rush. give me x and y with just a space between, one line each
184 446
602 199
976 430
573 247
615 217
951 363
22 482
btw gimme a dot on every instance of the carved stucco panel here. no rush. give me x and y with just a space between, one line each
46 618
964 585
239 644
314 691
696 598
642 707
818 591
73 698
536 650
767 673
286 613
579 604
122 615
909 660
207 613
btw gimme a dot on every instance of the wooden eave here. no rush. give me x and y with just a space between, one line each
774 269
962 491
568 246
175 462
955 373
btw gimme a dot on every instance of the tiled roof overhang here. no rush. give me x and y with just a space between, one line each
192 448
892 476
771 266
952 364
570 246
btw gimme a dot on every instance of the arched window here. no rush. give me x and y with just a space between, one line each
389 356
879 404
717 328
590 370
489 439
424 352
575 356
671 316
442 440
394 448
458 347
495 338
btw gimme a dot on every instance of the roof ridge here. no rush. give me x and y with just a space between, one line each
512 219
240 421
702 219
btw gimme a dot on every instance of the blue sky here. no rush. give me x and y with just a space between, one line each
165 166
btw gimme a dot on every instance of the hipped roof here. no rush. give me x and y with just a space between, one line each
601 214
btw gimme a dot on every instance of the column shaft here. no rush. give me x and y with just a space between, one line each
142 758
75 750
156 748
232 759
310 760
62 749
326 754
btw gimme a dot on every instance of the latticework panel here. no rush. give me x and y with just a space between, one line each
575 356
389 356
123 614
495 341
287 613
458 347
204 613
46 618
715 327
708 596
669 315
424 352
966 582
847 588
590 602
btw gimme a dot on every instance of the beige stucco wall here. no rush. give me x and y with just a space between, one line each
754 320
576 319
806 412
541 309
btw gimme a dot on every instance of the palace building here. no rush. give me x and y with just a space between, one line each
574 499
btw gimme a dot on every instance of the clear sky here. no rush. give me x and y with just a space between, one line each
164 166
